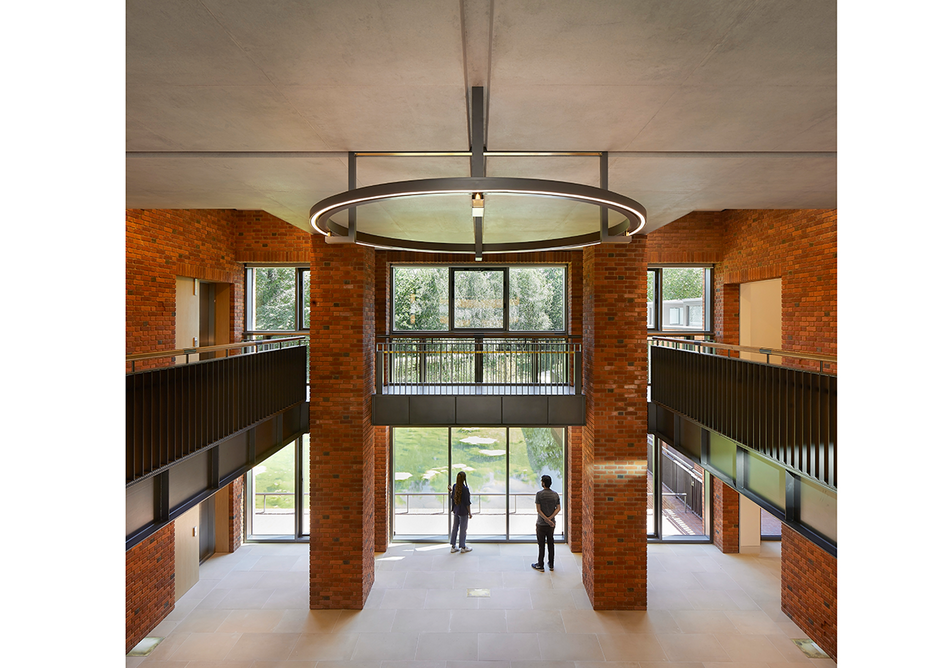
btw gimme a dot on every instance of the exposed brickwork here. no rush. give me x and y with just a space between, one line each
809 584
161 245
797 246
726 505
149 577
574 507
342 445
263 238
236 506
383 488
800 247
614 439
695 238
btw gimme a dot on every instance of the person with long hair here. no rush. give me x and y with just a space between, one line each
460 506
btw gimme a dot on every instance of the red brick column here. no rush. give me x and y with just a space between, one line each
382 488
149 580
236 520
809 583
726 530
614 439
342 454
575 474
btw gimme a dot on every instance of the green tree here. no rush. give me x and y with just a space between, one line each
682 282
275 298
420 299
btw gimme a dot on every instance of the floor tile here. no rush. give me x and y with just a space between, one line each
509 647
705 609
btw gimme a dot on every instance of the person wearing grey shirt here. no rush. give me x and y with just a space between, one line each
548 505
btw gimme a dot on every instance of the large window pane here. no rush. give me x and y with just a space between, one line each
274 485
305 298
683 298
536 299
481 453
274 298
305 489
421 465
478 299
650 299
534 452
682 494
420 299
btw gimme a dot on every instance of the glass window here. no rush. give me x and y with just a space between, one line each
682 295
273 488
503 469
420 299
278 299
682 494
305 298
534 452
478 299
443 299
536 299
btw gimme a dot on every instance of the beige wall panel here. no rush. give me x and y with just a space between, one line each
187 315
187 551
761 317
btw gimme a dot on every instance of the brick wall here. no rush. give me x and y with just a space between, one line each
809 579
726 505
574 508
614 439
161 245
150 585
383 487
342 443
236 507
799 247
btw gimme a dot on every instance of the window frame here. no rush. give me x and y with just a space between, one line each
301 298
506 291
658 309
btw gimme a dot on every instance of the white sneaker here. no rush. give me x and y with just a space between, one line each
453 549
466 549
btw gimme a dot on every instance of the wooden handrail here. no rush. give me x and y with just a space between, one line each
209 349
750 349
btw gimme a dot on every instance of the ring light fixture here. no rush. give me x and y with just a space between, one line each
476 188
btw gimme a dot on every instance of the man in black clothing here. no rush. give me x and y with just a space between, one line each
548 505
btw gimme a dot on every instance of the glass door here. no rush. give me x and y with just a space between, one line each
481 453
503 469
534 452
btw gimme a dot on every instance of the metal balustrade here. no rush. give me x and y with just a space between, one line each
175 412
478 364
785 414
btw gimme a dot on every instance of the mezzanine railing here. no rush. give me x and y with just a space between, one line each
785 414
172 412
428 364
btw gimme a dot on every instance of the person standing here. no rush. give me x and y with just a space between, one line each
548 505
460 505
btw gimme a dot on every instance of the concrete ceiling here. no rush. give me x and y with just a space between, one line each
702 105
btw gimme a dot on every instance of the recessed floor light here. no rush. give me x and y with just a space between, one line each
477 593
809 648
145 646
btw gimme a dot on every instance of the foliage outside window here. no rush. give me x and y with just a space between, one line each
536 299
478 299
517 299
421 298
278 299
679 299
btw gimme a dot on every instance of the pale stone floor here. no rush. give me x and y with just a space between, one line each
705 610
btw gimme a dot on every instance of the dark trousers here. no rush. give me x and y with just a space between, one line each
545 535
